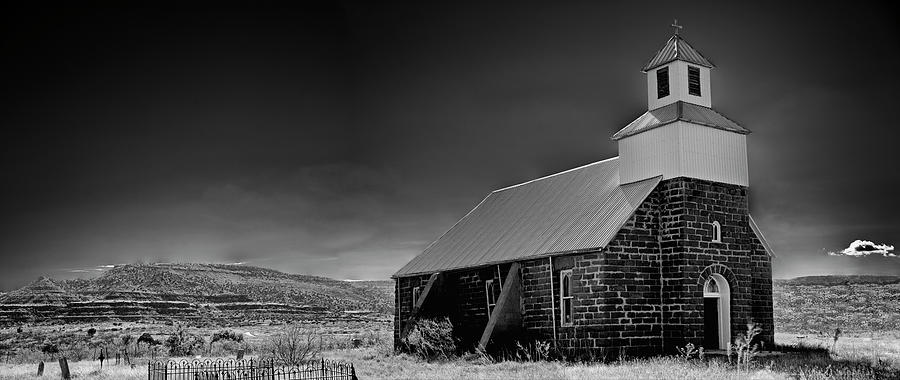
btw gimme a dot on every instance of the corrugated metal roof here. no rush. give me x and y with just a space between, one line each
676 48
578 209
679 111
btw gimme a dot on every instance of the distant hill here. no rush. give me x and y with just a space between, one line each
195 291
857 303
832 280
42 291
199 282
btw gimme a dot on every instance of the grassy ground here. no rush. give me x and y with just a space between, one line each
804 364
853 358
79 370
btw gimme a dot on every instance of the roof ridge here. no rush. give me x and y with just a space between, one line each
554 174
672 51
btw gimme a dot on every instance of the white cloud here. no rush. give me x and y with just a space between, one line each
860 248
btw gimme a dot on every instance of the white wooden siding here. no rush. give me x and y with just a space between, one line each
683 149
678 86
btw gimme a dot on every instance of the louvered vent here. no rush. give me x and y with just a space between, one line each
694 80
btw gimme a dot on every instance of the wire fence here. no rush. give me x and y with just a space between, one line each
248 369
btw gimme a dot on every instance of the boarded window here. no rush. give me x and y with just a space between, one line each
694 80
662 83
491 292
565 297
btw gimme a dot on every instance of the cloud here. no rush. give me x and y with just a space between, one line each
861 248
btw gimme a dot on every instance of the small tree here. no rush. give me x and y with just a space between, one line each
148 339
125 340
294 345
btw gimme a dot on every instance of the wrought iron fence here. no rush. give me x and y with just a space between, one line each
248 369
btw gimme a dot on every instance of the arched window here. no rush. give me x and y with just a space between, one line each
565 297
716 232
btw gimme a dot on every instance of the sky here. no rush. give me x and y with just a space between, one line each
341 138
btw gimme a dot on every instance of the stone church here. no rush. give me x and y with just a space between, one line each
634 254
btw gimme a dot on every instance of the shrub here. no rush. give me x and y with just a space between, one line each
431 339
49 348
91 331
183 343
294 345
225 335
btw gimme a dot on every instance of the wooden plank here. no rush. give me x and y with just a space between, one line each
433 286
508 304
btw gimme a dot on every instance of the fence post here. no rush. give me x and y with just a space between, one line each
64 368
353 372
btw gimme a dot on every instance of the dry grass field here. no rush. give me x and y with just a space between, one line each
807 312
380 363
852 358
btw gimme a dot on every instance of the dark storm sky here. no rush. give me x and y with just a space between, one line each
340 139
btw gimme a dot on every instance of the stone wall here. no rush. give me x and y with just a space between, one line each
687 209
461 297
616 294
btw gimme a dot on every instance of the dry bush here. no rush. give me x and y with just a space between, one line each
431 339
743 348
183 343
294 345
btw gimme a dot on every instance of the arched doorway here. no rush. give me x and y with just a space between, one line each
716 312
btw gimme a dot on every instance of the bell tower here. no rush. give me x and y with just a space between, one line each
678 72
681 135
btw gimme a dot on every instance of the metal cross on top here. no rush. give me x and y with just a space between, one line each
676 26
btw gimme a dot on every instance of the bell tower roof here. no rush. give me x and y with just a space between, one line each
675 49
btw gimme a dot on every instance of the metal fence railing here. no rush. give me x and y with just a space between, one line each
248 369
